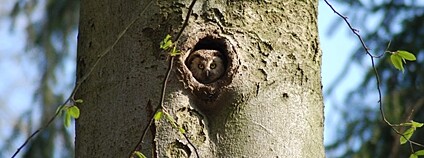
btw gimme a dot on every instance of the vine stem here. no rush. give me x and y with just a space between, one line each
164 85
377 77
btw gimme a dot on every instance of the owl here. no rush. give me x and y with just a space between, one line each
206 65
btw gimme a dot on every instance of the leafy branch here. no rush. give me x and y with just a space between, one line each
398 58
167 45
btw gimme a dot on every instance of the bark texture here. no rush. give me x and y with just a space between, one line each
269 104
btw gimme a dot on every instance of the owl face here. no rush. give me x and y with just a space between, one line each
206 66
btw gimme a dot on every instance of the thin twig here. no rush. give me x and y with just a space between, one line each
170 65
195 150
171 62
377 77
190 9
40 129
355 31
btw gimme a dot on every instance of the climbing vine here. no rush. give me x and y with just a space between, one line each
398 59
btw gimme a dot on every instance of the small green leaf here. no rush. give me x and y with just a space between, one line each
181 129
419 153
397 62
417 124
139 154
408 133
167 37
166 43
74 111
406 55
67 120
174 52
413 156
171 120
169 117
158 115
79 101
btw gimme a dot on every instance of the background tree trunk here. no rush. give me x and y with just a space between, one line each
269 102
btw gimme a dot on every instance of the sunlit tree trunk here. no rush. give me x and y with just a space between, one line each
268 103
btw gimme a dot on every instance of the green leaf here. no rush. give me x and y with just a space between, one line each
139 154
79 101
171 120
166 43
169 117
397 61
174 52
417 124
74 111
419 153
406 55
182 130
67 120
158 115
408 133
413 156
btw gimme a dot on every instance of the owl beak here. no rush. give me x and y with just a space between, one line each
207 73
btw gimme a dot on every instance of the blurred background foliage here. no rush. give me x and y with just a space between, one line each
362 133
51 28
50 31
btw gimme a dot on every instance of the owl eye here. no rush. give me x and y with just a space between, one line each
213 66
200 66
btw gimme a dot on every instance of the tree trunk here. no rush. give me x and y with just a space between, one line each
267 103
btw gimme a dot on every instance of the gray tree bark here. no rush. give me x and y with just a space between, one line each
267 104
